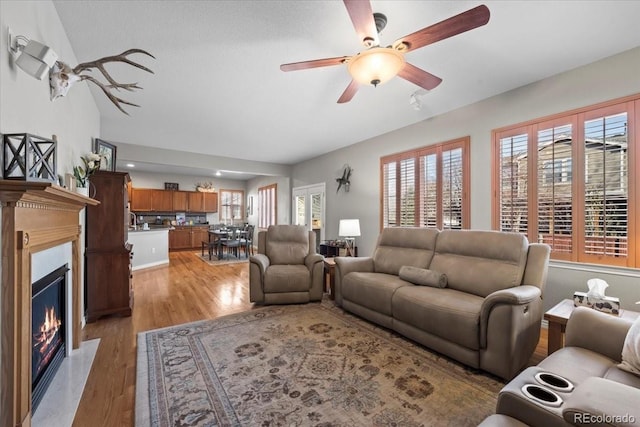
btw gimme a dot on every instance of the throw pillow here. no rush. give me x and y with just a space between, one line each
631 350
422 276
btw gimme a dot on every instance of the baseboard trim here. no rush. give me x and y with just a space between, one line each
151 264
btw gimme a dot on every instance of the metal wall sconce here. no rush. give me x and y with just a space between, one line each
34 58
27 157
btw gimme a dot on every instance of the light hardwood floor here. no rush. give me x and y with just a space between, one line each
185 291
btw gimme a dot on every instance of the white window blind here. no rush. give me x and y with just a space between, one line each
231 207
452 189
267 205
554 189
606 189
512 167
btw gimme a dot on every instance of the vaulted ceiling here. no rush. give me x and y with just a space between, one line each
218 89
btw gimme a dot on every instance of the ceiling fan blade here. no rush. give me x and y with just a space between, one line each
349 92
465 21
325 62
362 18
419 77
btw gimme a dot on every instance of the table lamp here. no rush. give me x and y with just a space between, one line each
349 229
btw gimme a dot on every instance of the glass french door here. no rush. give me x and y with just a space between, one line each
309 209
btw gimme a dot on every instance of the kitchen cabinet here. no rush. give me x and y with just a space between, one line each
161 201
210 202
180 238
188 237
141 200
108 254
156 200
198 235
180 201
195 201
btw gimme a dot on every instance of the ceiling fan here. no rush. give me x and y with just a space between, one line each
376 65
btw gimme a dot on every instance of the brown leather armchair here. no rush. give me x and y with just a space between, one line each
286 269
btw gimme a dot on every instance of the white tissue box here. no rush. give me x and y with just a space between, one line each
605 304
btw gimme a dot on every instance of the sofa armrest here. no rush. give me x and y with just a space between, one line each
261 260
519 295
599 402
599 332
346 265
312 259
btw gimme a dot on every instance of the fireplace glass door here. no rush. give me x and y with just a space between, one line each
47 330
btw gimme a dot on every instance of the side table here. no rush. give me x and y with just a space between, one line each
330 277
558 317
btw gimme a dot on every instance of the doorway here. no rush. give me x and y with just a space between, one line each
309 209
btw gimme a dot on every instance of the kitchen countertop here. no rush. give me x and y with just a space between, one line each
160 229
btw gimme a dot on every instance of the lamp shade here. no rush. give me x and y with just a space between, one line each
376 65
349 228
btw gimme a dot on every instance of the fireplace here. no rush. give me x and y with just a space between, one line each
36 216
47 330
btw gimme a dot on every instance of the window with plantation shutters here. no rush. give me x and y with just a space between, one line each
554 189
407 192
267 205
513 153
567 181
231 207
427 187
606 194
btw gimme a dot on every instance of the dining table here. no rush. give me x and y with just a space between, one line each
217 237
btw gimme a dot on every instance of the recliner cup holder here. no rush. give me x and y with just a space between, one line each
554 382
542 395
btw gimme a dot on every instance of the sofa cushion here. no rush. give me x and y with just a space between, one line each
447 313
423 276
287 278
287 244
480 262
372 290
398 246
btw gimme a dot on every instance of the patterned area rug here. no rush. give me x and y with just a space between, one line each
301 365
214 261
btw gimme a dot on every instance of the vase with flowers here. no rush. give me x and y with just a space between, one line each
91 163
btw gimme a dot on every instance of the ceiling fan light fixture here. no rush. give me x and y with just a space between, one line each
376 66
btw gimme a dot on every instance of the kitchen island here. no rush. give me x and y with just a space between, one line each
150 247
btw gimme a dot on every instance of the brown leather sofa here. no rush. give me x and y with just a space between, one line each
286 268
488 315
598 392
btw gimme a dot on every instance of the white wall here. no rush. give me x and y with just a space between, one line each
610 78
24 101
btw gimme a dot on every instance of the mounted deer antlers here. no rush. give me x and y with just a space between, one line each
62 77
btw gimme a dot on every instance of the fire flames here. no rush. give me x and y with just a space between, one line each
47 333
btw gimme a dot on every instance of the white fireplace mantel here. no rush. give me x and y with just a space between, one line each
35 216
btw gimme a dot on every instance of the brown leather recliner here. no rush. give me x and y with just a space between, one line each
286 269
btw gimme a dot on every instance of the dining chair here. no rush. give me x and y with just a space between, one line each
232 243
246 240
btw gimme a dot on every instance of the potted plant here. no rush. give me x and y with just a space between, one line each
91 163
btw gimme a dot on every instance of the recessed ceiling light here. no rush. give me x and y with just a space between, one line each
131 165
